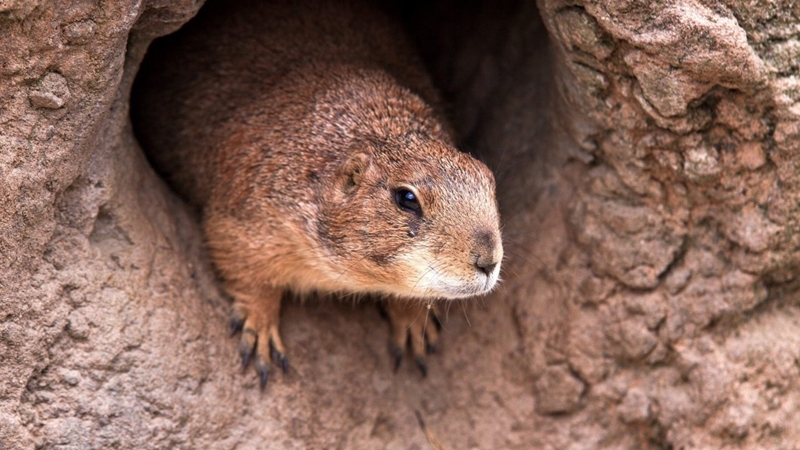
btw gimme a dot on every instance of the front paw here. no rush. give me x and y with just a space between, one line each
260 339
414 325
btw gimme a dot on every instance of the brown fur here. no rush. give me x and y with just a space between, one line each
290 124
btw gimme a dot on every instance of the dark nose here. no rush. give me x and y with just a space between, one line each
485 254
485 266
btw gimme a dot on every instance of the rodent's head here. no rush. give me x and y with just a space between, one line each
414 219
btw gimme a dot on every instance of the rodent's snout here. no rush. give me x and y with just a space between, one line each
488 254
485 266
471 267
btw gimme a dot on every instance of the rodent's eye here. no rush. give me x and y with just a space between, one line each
407 201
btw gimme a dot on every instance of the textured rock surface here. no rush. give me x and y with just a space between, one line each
646 155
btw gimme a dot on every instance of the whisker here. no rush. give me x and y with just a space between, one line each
429 269
464 308
425 325
447 311
349 268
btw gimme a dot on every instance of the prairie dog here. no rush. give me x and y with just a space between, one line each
308 134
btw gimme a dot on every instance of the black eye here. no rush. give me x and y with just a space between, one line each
407 201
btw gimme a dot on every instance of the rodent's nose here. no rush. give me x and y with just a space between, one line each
486 257
485 266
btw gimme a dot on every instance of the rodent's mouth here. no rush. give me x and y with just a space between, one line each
461 289
436 280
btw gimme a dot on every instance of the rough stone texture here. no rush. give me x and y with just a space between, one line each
557 391
647 177
647 164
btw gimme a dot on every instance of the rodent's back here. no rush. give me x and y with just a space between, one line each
199 87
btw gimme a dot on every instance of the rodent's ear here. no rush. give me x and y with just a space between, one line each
353 171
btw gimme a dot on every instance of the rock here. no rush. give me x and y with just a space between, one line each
751 155
557 391
751 229
80 32
51 92
77 325
635 407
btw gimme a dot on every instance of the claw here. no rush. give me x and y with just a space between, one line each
273 353
247 346
398 357
278 357
246 356
236 325
423 368
262 369
263 376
